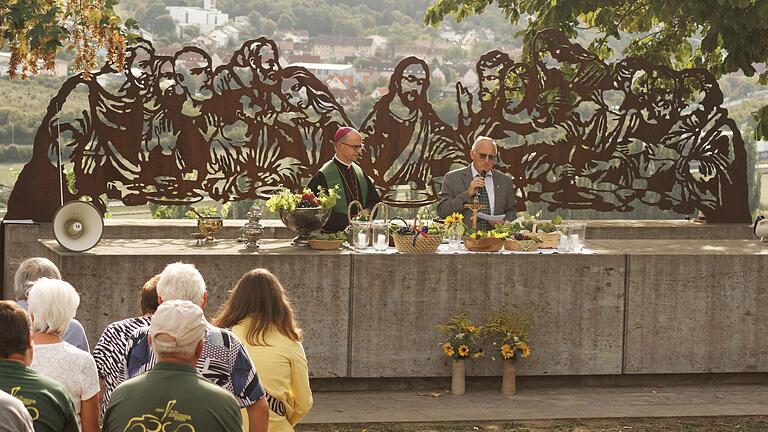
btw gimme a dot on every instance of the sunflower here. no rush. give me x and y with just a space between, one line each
448 349
448 220
471 329
463 350
458 217
478 355
525 350
507 351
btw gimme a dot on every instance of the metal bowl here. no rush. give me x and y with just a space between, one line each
209 225
304 221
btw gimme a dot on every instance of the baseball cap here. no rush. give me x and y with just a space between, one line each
180 319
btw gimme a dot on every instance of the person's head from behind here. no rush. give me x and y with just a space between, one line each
52 304
148 296
15 336
177 331
260 296
30 271
181 281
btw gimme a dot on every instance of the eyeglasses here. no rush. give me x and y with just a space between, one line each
355 147
486 156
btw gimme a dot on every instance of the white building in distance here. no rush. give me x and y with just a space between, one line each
207 18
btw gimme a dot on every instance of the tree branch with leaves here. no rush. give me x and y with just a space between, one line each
35 30
727 35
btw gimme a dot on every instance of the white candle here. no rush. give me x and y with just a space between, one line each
362 242
563 245
381 240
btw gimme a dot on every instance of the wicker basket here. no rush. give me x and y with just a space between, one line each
487 244
424 244
325 244
549 240
521 245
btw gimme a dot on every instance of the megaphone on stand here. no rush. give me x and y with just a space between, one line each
78 226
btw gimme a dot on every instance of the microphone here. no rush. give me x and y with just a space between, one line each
482 174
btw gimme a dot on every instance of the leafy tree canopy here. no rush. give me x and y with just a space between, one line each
722 36
36 30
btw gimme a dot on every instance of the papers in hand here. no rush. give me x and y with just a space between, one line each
491 218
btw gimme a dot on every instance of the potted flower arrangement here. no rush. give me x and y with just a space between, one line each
462 342
304 212
509 335
486 241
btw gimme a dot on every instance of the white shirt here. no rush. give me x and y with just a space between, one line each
488 186
73 368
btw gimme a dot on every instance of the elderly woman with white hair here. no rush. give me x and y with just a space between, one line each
52 304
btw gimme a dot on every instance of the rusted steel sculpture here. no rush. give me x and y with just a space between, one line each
574 132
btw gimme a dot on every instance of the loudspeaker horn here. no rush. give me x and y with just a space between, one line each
78 226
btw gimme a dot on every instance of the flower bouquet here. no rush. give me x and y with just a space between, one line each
509 335
486 241
462 342
304 212
454 228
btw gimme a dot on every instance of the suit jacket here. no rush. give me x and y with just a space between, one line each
453 194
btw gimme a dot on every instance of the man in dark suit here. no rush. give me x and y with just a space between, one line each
493 189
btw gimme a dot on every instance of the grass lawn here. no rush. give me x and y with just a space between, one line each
703 424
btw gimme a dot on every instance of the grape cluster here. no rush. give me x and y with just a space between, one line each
409 230
308 200
522 236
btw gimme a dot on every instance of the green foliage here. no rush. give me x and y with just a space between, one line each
338 235
168 211
733 33
222 211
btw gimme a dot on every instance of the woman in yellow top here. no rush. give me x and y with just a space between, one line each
261 315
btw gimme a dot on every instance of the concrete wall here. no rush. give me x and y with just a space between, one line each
627 307
21 240
398 300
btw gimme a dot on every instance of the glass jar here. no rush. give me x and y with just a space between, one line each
380 235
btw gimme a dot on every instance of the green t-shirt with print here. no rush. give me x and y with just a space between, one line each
172 396
46 400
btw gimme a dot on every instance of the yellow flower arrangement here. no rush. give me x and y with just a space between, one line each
489 234
462 338
509 332
454 223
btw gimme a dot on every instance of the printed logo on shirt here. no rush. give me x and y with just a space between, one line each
28 403
166 420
